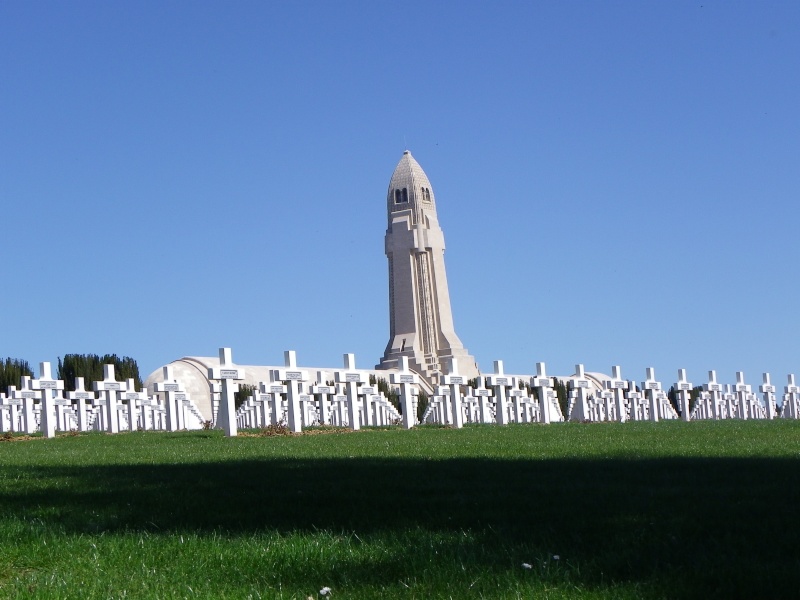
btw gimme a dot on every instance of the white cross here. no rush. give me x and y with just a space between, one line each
790 399
618 385
28 396
543 383
170 387
350 377
227 374
653 387
80 395
294 378
742 390
454 380
499 382
46 385
683 391
580 386
407 381
324 392
110 389
13 403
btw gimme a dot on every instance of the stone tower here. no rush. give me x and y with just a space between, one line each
420 318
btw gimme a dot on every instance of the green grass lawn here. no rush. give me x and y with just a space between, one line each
635 510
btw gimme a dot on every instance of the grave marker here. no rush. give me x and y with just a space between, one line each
683 390
368 409
110 389
80 396
702 407
324 392
791 400
26 396
484 403
227 374
351 378
14 408
170 387
651 387
132 397
636 402
407 381
46 385
5 414
499 381
455 381
715 391
618 386
542 384
276 390
294 378
742 391
579 410
264 404
729 401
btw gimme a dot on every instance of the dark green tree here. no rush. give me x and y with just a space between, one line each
90 367
473 383
533 392
693 394
672 396
387 390
243 393
422 404
11 371
563 396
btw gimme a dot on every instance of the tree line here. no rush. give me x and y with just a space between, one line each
11 371
88 366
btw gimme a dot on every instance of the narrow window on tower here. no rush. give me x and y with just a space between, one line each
405 194
397 199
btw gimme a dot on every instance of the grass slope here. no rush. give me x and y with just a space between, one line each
636 510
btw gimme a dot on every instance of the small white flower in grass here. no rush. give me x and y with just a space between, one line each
326 592
556 557
527 566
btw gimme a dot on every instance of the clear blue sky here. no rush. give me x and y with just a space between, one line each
618 182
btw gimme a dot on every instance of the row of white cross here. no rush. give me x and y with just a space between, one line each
621 401
293 397
506 401
113 406
290 396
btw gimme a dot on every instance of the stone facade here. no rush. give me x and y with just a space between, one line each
420 317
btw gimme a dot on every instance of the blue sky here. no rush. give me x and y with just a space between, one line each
617 182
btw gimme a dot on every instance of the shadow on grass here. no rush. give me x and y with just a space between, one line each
716 526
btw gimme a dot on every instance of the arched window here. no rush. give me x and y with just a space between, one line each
397 199
405 194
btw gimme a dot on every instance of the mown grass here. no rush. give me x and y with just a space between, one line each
636 510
